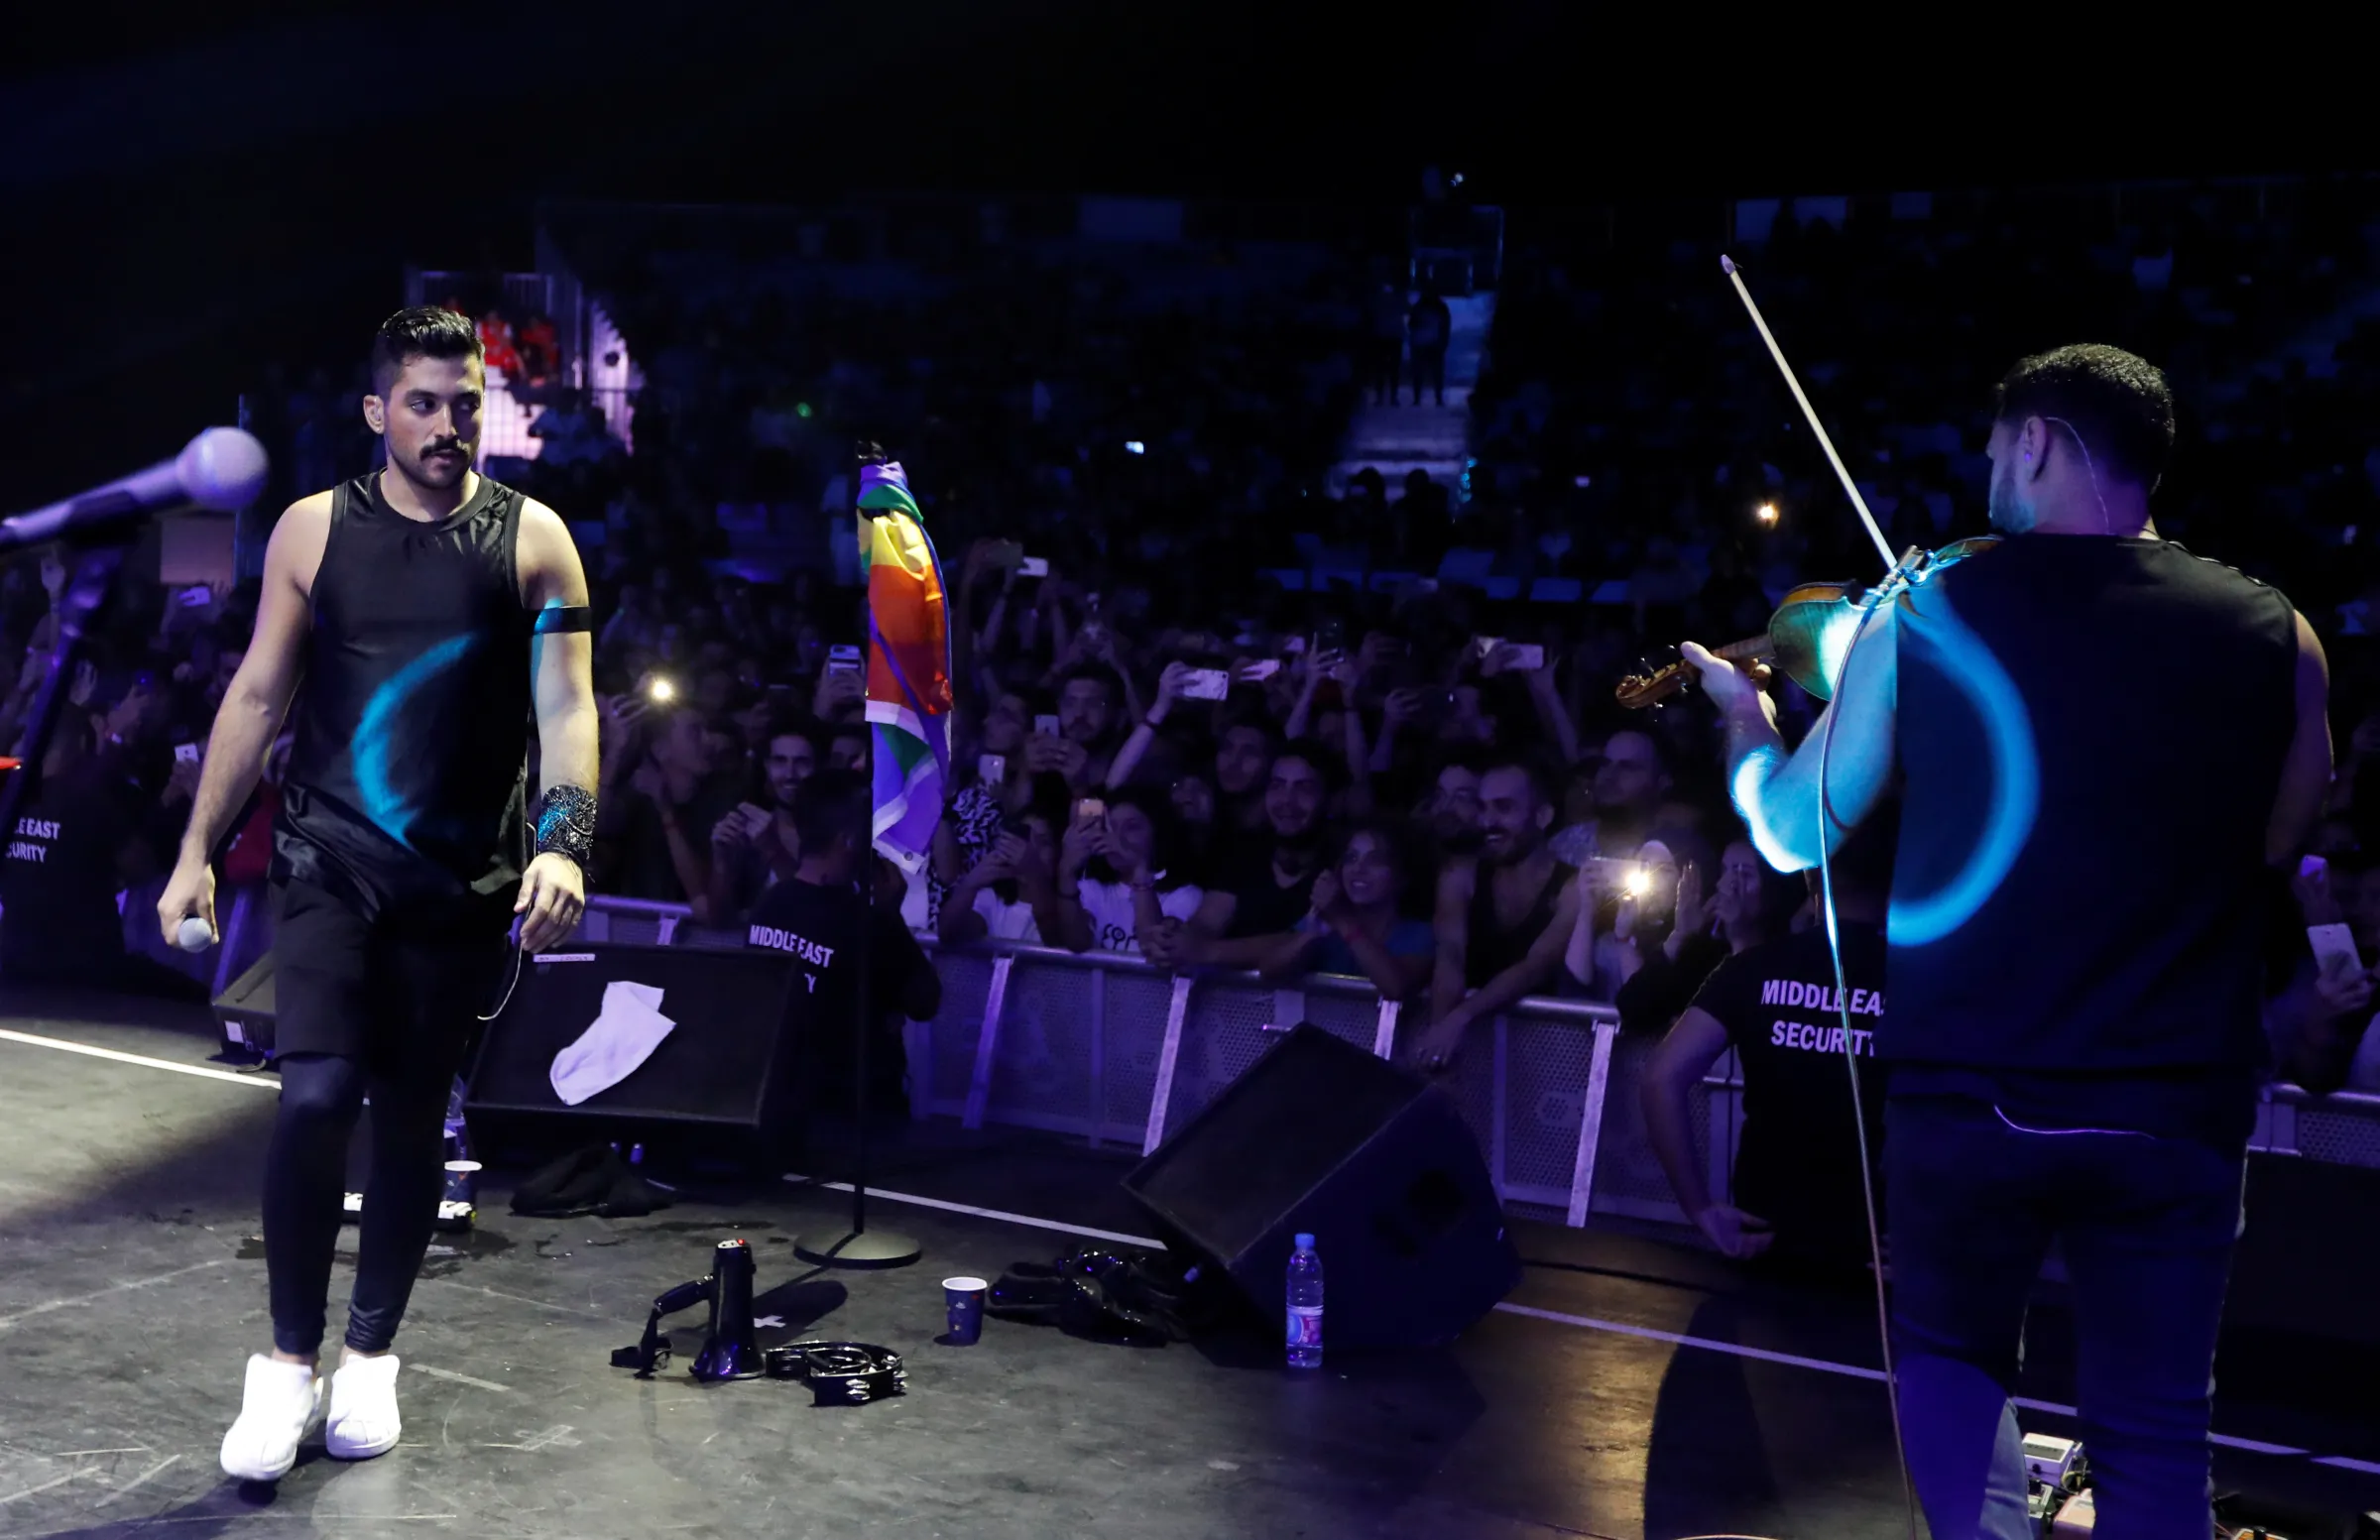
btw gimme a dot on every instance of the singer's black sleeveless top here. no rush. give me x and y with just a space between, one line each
2091 734
405 785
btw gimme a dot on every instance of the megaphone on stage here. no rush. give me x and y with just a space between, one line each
730 1350
730 1347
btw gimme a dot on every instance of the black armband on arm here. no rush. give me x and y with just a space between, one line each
563 617
566 824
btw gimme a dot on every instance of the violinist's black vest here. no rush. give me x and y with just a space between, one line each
2091 733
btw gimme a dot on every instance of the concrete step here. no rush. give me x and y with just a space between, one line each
1397 440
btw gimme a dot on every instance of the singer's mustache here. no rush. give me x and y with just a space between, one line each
447 448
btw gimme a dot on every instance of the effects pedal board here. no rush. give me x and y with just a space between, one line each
2055 1501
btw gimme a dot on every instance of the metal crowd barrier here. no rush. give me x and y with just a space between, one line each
2343 1128
1104 1047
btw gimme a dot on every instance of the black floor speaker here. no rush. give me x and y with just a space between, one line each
245 1011
723 1084
1321 1135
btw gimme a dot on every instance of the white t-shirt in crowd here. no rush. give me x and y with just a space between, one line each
1114 927
1009 921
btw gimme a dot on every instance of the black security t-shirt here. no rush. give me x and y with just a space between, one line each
821 926
59 884
1798 1164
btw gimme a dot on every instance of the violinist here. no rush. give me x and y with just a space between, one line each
2074 937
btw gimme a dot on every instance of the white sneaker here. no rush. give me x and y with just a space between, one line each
363 1408
276 1410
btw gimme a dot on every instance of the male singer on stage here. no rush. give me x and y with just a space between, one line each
2102 741
428 612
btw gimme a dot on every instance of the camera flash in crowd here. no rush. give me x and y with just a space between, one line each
1135 446
1639 883
1766 513
662 689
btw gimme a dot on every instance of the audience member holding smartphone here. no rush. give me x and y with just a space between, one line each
1113 886
1750 904
655 832
2320 1021
1011 894
994 786
753 843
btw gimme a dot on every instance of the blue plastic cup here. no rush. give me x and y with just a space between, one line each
964 1298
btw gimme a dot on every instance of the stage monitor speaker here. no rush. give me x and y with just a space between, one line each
246 1010
723 1083
1321 1135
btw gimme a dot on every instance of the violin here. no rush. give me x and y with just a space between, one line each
1804 640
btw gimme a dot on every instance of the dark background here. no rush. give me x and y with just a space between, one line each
193 192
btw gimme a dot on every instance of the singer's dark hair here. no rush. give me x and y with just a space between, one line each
2116 402
831 805
423 331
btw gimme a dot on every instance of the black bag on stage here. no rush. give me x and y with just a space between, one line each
592 1180
1107 1294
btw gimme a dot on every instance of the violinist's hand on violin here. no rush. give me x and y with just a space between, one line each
1731 689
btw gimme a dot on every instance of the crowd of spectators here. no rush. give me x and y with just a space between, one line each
106 815
1164 752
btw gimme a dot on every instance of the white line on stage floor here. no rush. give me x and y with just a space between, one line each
461 1379
1590 1323
1002 1215
31 1311
269 1082
55 1480
2364 1467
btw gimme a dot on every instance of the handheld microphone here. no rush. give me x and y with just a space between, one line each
223 469
194 934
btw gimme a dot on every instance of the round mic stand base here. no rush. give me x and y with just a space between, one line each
866 1249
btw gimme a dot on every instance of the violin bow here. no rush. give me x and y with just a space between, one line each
1895 571
1858 503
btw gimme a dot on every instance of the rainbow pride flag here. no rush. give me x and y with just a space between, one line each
908 668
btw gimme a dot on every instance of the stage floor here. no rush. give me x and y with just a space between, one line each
132 1289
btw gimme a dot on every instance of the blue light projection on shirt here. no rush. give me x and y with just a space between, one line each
376 736
2015 777
1747 787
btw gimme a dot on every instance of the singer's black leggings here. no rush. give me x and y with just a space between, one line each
306 1184
365 1008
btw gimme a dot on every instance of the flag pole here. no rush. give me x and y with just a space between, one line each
859 1247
